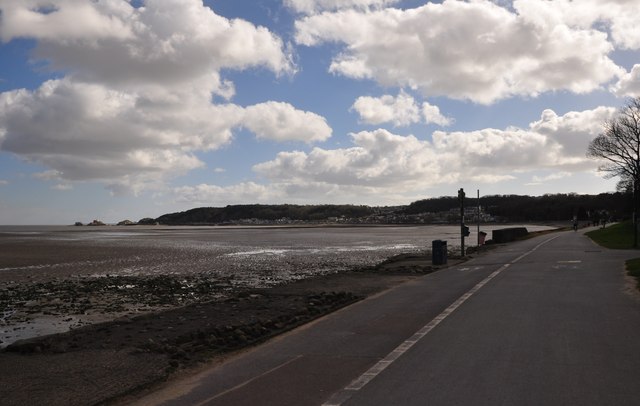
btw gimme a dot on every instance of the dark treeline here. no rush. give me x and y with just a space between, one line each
552 207
218 215
536 208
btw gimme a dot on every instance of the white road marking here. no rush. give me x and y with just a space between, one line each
245 383
471 268
345 394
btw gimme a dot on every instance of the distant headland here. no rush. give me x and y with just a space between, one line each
440 210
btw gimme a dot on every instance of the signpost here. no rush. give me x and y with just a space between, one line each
464 230
478 218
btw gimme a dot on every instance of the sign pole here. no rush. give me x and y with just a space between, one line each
478 218
461 198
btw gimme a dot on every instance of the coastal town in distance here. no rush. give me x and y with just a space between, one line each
444 210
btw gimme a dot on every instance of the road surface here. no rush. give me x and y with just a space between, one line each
547 321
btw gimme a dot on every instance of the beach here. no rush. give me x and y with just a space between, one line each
53 279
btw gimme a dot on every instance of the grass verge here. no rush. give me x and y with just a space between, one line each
617 236
633 269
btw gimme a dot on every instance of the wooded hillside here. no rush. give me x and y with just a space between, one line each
218 215
535 208
554 207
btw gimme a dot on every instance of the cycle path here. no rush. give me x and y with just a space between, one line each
457 336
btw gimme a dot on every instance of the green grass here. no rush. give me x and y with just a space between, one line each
617 236
633 269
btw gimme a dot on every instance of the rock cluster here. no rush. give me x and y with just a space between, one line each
196 332
132 352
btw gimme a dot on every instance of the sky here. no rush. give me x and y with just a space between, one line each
124 109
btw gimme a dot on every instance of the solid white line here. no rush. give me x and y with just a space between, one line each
345 394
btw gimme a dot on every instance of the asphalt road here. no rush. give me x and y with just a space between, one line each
546 321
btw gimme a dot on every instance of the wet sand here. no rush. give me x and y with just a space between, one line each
57 278
114 361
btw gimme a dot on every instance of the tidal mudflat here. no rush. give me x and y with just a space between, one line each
53 279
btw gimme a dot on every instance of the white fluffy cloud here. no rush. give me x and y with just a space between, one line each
629 84
316 6
435 49
401 111
382 166
90 132
136 105
48 20
283 193
163 43
621 17
379 158
390 163
282 122
573 131
432 114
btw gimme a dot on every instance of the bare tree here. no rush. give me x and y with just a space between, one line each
618 148
625 185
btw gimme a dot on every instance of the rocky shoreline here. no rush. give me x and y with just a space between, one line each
104 362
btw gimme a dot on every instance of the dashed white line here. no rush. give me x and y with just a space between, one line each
345 394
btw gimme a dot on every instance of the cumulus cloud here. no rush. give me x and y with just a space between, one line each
401 111
162 43
280 193
135 104
497 151
282 122
435 49
391 163
316 6
382 166
47 20
432 114
621 17
573 131
90 132
87 131
379 158
629 84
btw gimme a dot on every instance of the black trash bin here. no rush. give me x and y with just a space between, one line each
439 252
